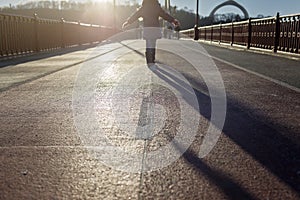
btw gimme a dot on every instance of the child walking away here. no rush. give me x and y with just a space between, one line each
150 11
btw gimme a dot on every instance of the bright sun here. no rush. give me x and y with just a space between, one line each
100 1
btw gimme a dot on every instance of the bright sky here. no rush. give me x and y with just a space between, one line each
254 7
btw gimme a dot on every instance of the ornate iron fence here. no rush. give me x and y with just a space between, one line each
279 33
21 35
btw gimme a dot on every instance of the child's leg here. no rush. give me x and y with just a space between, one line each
150 50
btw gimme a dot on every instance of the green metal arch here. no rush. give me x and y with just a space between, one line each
230 3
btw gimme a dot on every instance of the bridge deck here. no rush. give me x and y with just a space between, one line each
56 111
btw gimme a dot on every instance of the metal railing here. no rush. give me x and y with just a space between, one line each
21 35
279 33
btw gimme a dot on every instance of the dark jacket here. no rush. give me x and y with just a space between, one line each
150 14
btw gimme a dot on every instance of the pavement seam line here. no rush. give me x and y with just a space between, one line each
283 84
142 170
146 142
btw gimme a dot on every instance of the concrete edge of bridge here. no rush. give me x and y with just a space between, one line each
31 56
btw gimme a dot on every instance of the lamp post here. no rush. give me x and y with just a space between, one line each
167 9
196 30
167 5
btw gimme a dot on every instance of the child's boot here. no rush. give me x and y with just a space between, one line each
149 56
153 55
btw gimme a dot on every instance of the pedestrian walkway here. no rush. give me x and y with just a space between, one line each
101 124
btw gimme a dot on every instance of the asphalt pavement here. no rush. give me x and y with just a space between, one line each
204 122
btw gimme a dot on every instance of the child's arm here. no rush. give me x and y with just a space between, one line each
133 18
168 17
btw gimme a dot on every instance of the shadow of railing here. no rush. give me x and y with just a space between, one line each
24 58
257 136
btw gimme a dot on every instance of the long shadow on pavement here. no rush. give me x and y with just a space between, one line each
278 153
232 189
264 143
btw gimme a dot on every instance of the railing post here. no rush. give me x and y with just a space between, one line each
298 35
10 36
79 34
220 40
91 34
212 33
196 29
293 35
6 40
13 49
2 40
277 32
249 34
196 33
36 33
232 34
62 25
